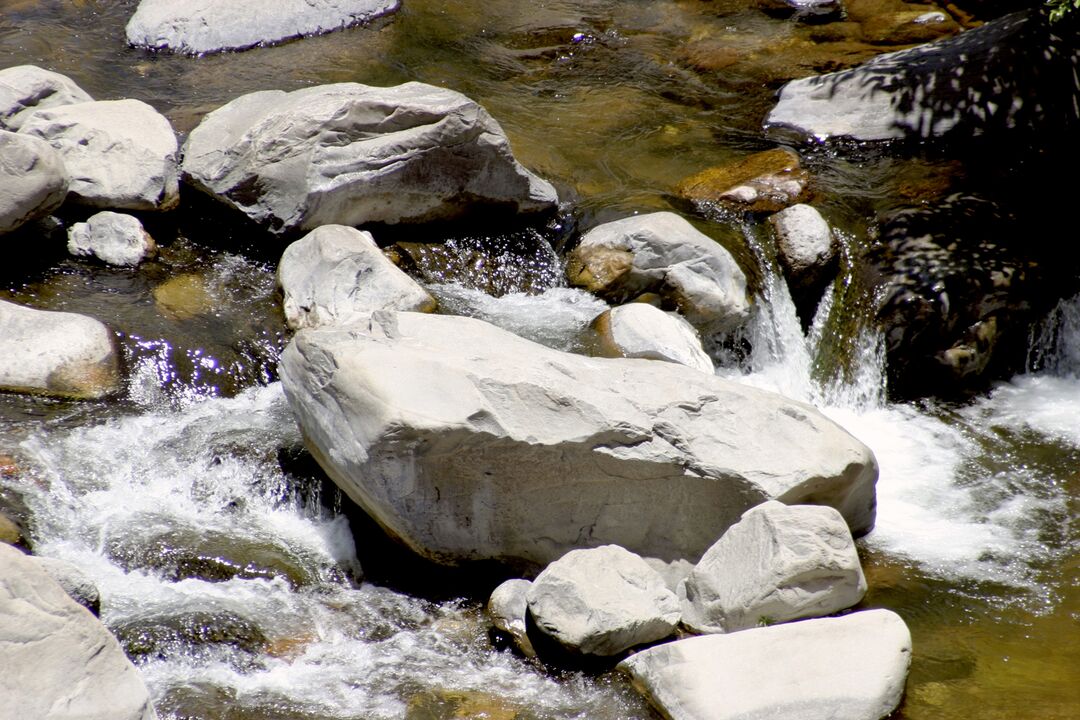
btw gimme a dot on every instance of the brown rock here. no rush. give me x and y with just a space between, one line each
764 182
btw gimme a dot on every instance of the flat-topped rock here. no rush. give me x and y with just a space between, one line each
197 27
852 667
469 443
351 154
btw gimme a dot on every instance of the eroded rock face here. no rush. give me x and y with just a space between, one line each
197 27
602 601
639 330
113 238
56 353
33 180
982 82
121 153
336 275
351 154
25 89
778 563
851 667
662 253
468 442
60 663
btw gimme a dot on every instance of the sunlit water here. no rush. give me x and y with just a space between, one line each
232 577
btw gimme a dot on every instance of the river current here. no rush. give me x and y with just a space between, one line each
227 565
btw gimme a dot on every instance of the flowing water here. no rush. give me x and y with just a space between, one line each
228 567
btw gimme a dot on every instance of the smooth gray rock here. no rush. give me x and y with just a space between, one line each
121 153
25 89
852 667
113 238
56 353
663 253
468 442
507 607
805 243
197 27
350 154
336 275
33 180
639 330
75 582
602 601
778 563
60 663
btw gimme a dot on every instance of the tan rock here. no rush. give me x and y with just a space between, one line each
764 182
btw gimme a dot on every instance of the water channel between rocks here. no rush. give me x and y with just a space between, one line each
226 564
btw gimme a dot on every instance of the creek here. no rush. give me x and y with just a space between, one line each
229 568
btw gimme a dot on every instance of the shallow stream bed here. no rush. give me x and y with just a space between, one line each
228 568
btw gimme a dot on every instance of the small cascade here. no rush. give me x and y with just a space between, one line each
1055 346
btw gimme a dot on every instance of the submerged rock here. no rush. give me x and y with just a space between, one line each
121 153
468 442
24 89
1013 74
764 182
56 353
206 26
602 601
778 563
639 330
336 275
662 253
113 238
852 667
59 661
351 154
33 180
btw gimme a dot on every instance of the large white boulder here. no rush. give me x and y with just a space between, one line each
602 601
639 330
336 275
778 563
60 663
468 442
25 89
33 180
664 254
205 26
121 153
56 353
852 667
113 238
351 154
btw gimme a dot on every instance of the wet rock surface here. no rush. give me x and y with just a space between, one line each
764 182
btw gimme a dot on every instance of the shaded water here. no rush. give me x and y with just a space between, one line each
230 574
